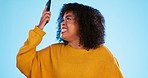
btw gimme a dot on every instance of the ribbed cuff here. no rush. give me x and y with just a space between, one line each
39 31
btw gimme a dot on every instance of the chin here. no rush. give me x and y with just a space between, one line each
62 37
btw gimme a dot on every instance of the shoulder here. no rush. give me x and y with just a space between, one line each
57 45
106 53
53 48
108 56
104 50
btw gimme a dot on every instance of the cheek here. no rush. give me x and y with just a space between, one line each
73 29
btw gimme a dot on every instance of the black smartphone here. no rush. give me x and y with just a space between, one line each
48 5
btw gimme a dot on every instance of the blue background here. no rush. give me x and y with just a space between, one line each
126 31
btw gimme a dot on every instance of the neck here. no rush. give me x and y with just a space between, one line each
75 44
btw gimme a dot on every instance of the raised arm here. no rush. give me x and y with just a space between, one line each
27 55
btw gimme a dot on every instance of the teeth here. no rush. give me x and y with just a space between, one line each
63 30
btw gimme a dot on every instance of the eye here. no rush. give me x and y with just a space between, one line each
68 19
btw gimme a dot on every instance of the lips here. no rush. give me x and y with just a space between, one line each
63 29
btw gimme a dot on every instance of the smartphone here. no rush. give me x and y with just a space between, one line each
48 5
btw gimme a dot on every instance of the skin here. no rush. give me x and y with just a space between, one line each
69 28
45 17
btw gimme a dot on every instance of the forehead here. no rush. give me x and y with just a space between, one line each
68 14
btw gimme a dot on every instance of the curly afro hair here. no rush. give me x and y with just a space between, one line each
91 24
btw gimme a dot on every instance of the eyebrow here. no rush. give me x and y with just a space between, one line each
68 16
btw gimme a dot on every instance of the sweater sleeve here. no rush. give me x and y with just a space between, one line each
27 55
112 70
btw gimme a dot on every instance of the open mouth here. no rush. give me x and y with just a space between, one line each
63 29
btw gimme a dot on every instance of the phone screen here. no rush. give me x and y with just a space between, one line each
48 5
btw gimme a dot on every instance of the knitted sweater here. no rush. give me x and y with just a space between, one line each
63 61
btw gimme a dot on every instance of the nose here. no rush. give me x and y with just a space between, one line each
63 23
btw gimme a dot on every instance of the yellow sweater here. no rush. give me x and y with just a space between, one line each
63 61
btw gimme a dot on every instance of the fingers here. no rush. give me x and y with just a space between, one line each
46 15
44 11
44 19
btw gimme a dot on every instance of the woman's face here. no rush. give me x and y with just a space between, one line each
69 27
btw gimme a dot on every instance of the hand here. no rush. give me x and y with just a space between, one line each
44 19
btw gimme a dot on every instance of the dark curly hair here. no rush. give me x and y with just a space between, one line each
91 24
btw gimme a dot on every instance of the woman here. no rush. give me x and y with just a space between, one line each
80 53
